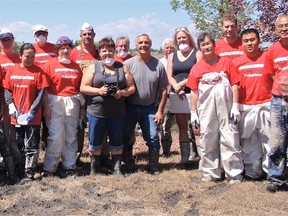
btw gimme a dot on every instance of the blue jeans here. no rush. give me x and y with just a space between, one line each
99 126
145 116
278 140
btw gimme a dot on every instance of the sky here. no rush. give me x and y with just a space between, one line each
108 17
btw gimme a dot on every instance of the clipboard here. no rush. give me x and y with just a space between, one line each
177 105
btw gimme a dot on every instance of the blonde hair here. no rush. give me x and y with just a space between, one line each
188 34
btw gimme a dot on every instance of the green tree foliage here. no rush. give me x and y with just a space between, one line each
17 46
207 14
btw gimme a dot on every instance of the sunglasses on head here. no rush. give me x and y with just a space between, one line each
181 29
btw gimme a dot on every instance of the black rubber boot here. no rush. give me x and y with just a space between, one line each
153 161
95 164
10 168
185 153
116 162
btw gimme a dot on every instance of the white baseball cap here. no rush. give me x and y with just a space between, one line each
86 26
40 28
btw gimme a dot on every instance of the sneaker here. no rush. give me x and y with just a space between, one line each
274 187
46 174
210 179
27 178
234 181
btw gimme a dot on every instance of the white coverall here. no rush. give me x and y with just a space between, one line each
254 135
219 140
63 126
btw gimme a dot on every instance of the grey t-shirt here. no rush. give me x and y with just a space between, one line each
148 78
107 106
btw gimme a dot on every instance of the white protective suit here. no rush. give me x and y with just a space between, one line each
219 140
254 136
63 126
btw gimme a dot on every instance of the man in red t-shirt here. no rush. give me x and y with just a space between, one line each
87 50
276 65
85 54
254 99
8 59
230 45
214 96
44 50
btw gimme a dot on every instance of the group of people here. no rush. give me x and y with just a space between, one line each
237 93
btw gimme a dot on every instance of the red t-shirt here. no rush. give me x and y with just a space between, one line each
232 50
276 64
43 54
64 79
119 59
222 65
76 53
8 62
255 86
24 83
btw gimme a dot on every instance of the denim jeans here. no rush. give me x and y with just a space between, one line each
278 140
97 130
145 116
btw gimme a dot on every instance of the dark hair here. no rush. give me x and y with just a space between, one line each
250 30
26 46
202 35
106 42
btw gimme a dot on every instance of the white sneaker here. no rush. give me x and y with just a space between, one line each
234 181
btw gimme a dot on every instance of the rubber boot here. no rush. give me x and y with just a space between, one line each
166 147
116 162
153 161
128 158
10 168
185 153
95 164
193 156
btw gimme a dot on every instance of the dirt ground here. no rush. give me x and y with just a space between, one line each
172 192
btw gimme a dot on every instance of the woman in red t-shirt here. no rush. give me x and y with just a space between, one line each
25 85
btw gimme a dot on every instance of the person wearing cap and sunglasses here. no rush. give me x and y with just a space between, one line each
62 111
179 64
8 59
25 86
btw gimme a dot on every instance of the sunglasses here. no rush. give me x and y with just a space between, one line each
7 39
182 29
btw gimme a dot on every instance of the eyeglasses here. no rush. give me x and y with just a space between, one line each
281 26
182 29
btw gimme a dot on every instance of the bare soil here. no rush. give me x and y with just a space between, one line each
172 192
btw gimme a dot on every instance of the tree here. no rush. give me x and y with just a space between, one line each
207 14
268 11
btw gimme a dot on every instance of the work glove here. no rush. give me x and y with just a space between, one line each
234 113
30 116
194 118
13 111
